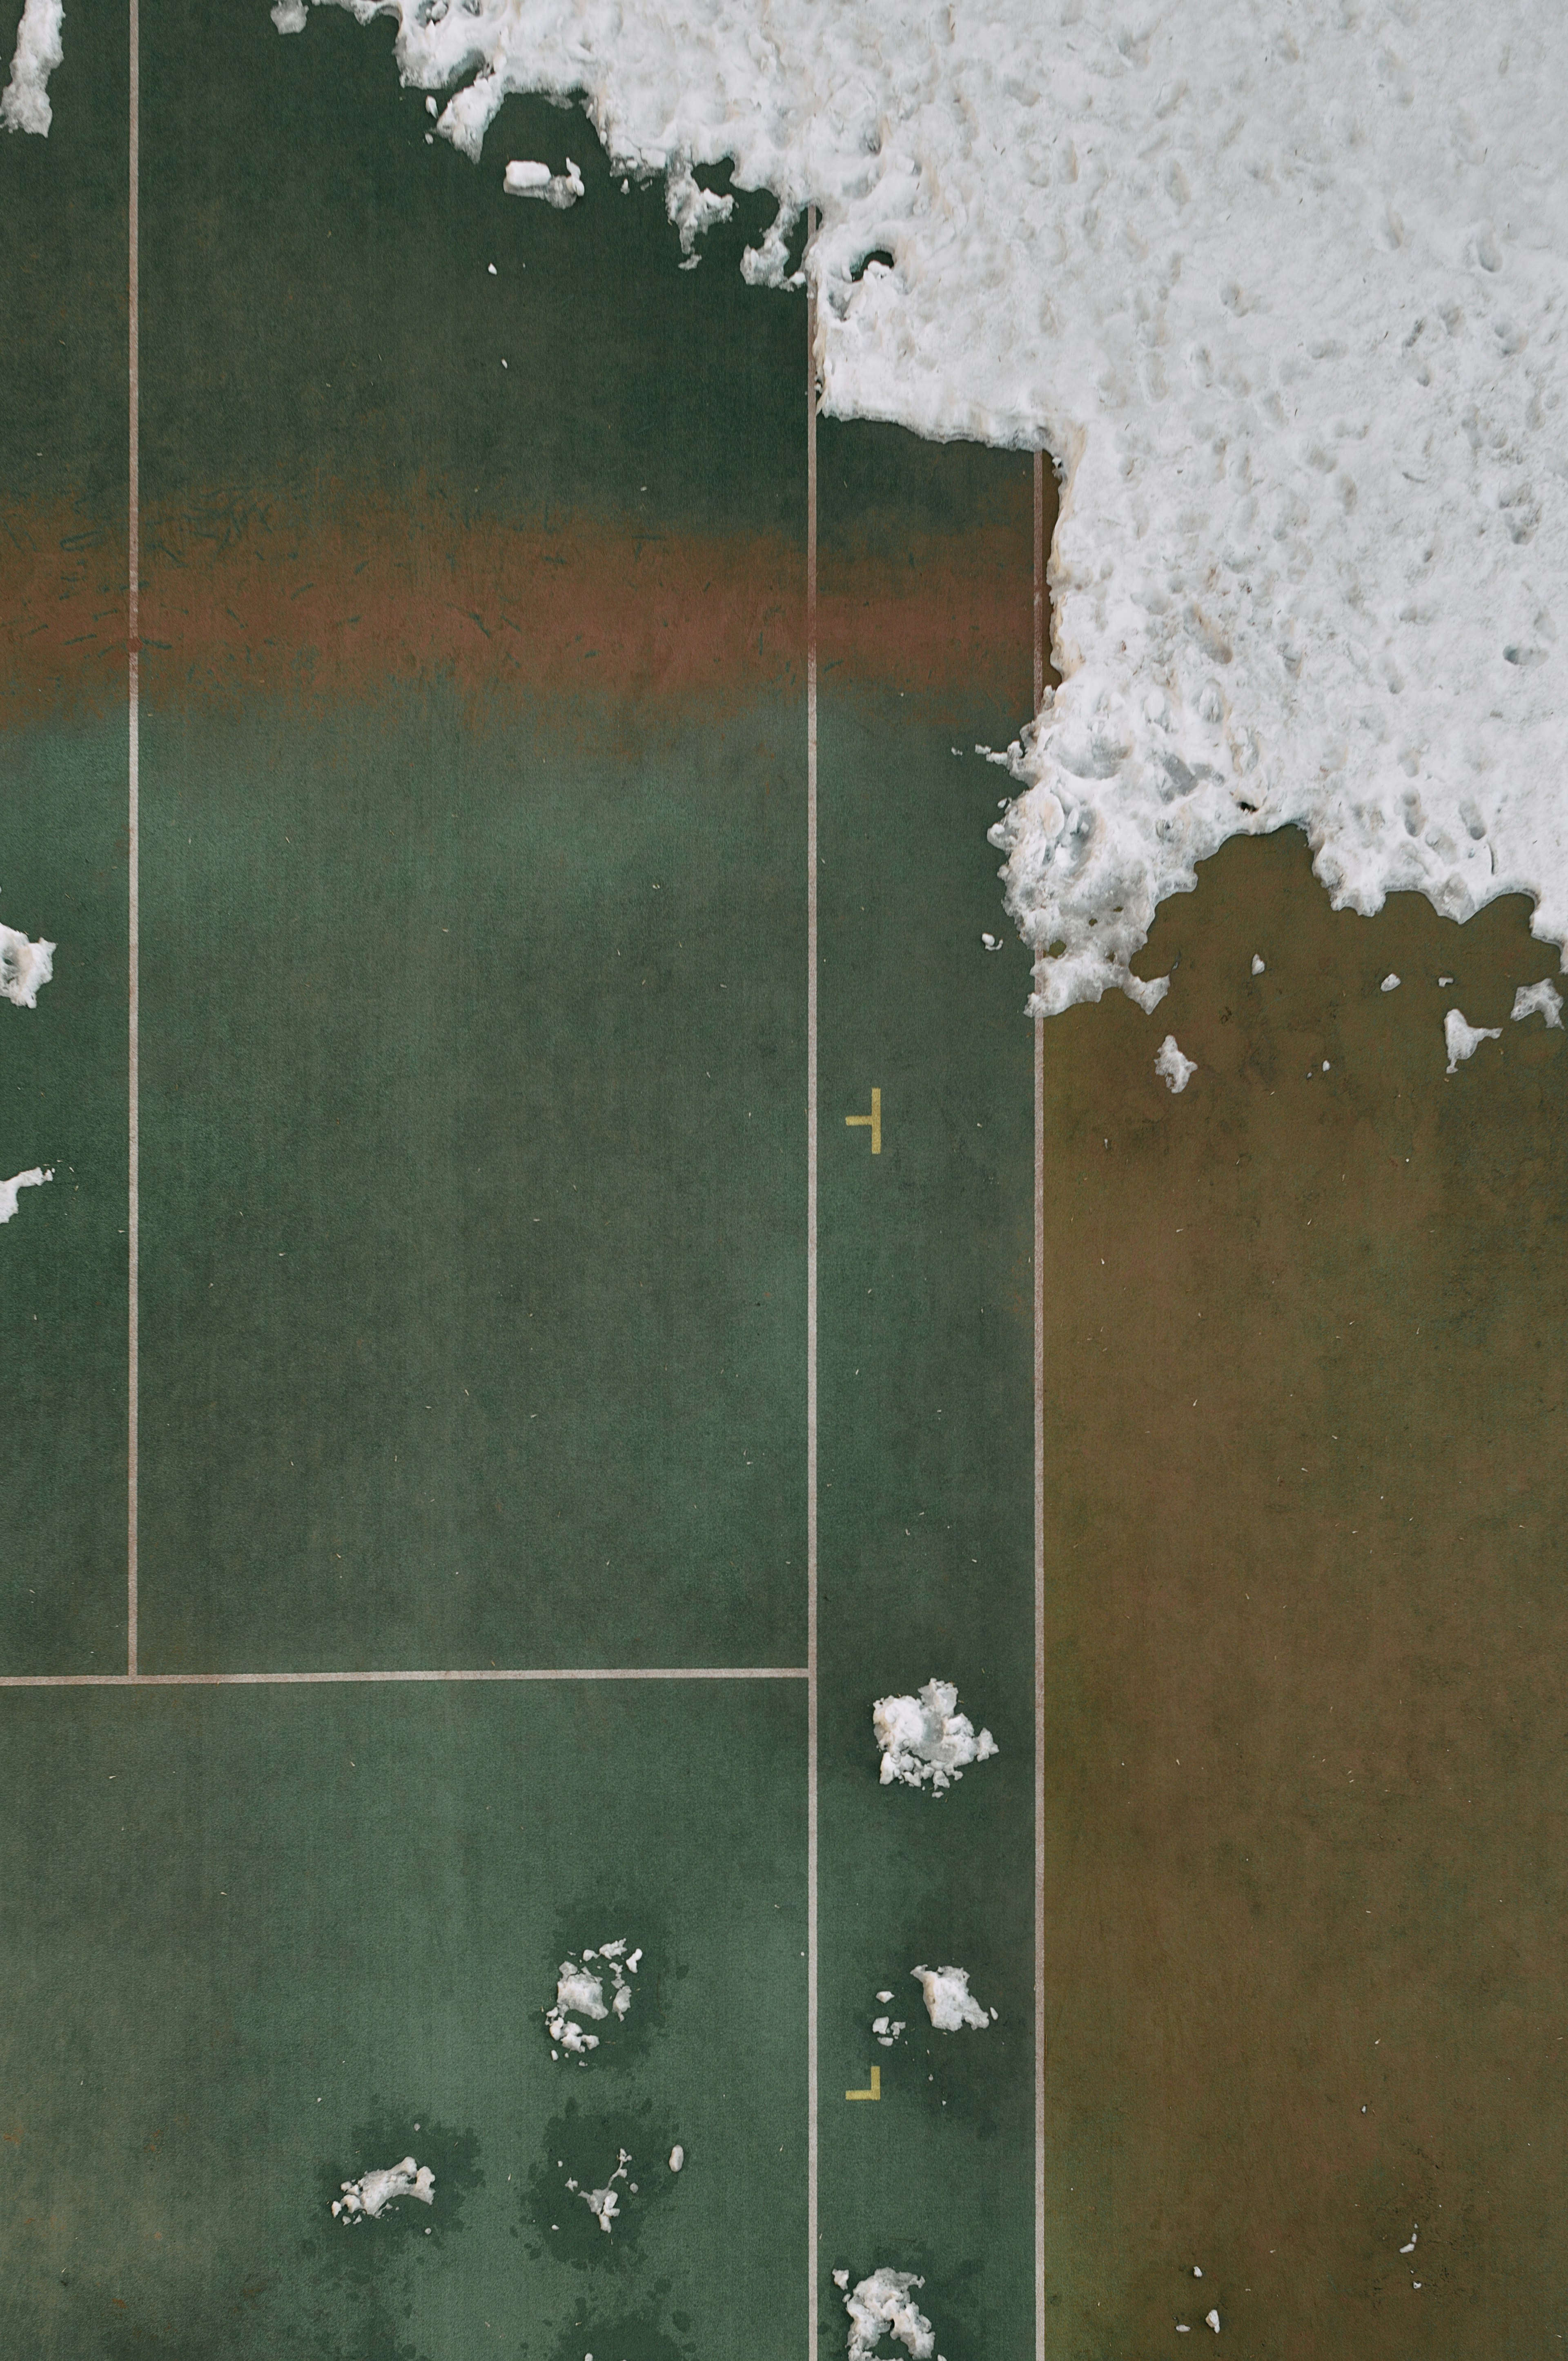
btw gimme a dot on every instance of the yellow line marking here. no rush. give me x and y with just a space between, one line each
875 2090
874 1121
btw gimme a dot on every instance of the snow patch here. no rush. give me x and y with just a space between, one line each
1390 982
579 1992
1463 1040
8 1188
1541 999
25 966
950 2003
524 179
364 2199
1172 1067
1280 292
926 1737
40 47
881 2305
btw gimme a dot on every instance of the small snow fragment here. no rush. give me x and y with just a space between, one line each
1444 980
1390 982
883 2302
926 1737
1325 1065
840 2279
1541 999
491 268
950 2003
1211 2320
431 107
1256 964
886 1995
603 2203
25 966
373 2190
526 177
289 16
33 1180
1411 2248
991 942
1183 2329
1464 1039
677 2157
1172 1066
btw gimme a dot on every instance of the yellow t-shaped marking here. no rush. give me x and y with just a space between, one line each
875 2090
874 1120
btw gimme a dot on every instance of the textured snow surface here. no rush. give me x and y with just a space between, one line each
882 2306
23 102
1282 290
1171 1067
1541 999
33 1180
364 2197
927 1738
25 966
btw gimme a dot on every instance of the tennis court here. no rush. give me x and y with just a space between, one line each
545 1441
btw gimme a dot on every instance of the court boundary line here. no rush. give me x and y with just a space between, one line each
1039 1252
813 2232
460 1673
133 833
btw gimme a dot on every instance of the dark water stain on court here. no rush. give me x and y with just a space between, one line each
1305 1624
628 2336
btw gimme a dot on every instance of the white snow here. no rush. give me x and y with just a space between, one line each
677 2157
1172 1066
887 2028
1211 2320
604 2203
926 1737
24 102
950 2003
364 2197
1256 964
1463 1040
8 1188
1282 292
1541 999
524 179
25 966
579 1992
881 2304
1390 982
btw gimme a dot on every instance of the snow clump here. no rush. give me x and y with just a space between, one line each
926 1737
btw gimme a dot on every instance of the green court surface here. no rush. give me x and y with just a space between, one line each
255 1943
471 1092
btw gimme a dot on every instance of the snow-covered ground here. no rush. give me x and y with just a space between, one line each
1281 290
926 1737
1283 293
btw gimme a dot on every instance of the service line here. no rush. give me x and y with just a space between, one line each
483 1672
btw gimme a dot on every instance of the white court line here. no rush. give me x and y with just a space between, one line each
487 1672
133 879
811 2065
1040 1511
